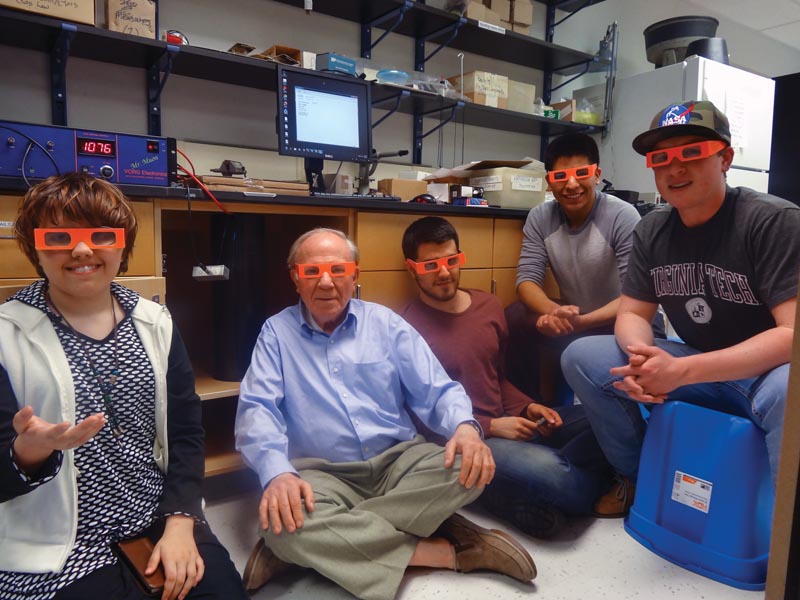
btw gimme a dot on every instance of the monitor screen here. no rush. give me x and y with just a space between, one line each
324 116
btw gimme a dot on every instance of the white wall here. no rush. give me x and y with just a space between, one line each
108 97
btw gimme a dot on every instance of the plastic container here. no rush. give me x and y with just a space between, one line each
394 76
704 497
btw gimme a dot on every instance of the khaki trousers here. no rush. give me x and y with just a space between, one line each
369 515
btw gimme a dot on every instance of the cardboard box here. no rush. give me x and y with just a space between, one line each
479 12
521 96
283 54
487 100
510 187
406 189
135 17
482 82
521 28
522 12
502 8
80 11
566 110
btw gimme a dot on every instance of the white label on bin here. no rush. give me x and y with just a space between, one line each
491 27
489 183
691 491
526 183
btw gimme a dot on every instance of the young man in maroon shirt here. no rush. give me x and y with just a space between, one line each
548 461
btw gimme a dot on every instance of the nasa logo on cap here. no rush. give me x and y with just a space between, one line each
677 114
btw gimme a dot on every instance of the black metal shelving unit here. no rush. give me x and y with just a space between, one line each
63 40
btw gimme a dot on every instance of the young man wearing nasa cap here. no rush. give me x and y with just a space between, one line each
723 263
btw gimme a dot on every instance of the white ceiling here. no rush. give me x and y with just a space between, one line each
778 19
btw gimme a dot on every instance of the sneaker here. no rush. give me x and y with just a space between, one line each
617 502
262 566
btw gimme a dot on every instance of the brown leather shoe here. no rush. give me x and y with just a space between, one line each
616 502
262 566
490 549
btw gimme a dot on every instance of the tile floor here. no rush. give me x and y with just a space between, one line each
592 559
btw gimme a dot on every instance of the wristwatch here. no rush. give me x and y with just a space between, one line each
474 424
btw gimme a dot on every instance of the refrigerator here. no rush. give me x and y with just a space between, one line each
746 99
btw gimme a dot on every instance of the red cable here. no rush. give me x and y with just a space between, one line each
204 188
189 160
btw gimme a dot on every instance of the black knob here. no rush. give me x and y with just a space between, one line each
107 171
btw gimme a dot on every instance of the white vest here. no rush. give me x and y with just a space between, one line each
38 529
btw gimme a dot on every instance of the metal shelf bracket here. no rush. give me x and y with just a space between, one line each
366 28
419 46
58 72
155 85
419 135
397 98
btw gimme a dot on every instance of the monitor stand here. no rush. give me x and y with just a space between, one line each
313 168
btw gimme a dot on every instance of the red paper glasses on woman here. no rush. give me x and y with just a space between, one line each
97 238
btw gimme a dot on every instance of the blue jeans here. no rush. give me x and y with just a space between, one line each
566 470
617 420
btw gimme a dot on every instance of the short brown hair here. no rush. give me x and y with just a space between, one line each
74 197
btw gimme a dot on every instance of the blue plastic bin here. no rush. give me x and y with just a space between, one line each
704 498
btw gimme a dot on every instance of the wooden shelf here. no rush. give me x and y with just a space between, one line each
422 20
226 462
209 388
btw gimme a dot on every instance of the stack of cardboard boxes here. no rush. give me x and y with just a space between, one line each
514 15
520 16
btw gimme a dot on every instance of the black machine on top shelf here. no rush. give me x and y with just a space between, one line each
322 117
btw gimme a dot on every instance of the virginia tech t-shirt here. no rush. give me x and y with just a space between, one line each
717 282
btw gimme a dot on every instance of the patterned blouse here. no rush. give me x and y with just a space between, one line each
119 483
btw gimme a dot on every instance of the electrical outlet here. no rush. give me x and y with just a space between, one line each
211 273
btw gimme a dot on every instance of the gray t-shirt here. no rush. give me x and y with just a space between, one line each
588 262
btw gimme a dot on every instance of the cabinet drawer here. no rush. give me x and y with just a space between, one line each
507 242
379 237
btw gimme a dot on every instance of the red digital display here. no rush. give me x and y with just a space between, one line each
90 147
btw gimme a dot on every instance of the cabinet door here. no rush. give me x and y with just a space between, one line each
13 263
379 237
507 242
476 278
394 289
505 285
142 261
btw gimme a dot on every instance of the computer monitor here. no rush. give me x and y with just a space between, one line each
323 116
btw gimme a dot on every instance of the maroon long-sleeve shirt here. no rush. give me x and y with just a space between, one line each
471 346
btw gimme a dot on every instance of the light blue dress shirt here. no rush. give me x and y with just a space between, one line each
341 397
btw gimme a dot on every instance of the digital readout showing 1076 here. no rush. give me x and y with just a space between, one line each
96 147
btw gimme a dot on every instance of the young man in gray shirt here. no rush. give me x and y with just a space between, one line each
585 237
